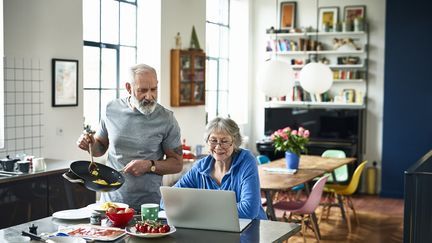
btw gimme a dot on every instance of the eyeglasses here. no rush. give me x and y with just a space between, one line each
222 144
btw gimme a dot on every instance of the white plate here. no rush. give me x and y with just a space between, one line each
132 231
64 239
98 206
81 213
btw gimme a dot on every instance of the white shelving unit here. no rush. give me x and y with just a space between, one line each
350 67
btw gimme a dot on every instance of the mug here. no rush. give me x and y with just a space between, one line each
23 166
149 211
39 164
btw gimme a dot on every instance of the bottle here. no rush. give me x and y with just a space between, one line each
371 179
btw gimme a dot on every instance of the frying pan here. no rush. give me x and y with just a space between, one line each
78 173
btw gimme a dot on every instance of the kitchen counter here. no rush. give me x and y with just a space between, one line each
258 231
36 195
53 166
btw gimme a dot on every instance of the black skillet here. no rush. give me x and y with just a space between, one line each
78 173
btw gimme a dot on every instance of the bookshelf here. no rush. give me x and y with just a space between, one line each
346 53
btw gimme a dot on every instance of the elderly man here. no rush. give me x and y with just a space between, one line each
141 137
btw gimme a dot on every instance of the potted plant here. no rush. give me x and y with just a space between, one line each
292 142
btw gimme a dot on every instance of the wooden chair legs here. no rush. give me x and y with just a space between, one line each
346 203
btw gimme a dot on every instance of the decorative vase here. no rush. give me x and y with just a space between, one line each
292 160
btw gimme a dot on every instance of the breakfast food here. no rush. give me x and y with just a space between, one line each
95 232
115 183
100 182
151 227
107 205
120 211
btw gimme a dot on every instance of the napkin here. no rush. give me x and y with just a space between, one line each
281 170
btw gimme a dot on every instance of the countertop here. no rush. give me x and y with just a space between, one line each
53 166
258 231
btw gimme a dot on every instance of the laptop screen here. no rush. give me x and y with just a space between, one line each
202 209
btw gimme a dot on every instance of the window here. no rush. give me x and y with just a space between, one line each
217 49
227 59
110 48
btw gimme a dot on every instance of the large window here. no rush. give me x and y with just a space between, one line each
110 48
227 50
217 50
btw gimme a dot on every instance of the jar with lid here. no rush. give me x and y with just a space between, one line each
95 218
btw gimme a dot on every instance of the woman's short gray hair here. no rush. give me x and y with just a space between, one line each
140 68
227 125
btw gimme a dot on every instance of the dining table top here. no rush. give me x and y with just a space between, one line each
310 166
256 231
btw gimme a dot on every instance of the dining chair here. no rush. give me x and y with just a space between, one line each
263 159
305 209
344 193
340 173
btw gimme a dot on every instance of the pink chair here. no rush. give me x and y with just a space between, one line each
305 209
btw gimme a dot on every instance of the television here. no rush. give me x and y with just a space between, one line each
338 125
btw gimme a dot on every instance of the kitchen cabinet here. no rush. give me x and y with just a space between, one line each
187 77
346 53
33 196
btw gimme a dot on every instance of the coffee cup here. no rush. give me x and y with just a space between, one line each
23 166
149 211
39 164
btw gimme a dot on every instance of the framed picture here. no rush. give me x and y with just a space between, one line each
64 82
328 17
287 15
352 12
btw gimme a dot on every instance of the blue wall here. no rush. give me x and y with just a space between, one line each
407 125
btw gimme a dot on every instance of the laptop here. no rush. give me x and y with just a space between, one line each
202 209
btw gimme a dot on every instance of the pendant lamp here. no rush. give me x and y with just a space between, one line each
276 78
316 78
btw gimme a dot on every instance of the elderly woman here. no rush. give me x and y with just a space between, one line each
228 167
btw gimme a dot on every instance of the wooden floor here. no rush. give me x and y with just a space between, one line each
381 220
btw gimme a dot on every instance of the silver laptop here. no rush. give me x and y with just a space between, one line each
202 209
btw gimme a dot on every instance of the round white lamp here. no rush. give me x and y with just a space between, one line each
316 78
276 79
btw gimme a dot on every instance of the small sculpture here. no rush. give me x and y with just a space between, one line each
178 42
344 44
194 43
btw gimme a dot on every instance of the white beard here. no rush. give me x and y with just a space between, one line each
146 107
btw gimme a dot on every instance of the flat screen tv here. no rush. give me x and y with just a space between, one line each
323 124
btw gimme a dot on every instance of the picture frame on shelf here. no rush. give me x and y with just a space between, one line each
287 15
328 18
353 12
64 82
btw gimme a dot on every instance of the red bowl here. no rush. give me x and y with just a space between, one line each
120 219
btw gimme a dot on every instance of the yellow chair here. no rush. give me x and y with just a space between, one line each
344 192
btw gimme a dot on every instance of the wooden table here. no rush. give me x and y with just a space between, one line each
310 167
313 162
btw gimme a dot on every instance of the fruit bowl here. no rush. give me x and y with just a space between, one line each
119 217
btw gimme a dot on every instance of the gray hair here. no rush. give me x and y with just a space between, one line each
140 68
227 125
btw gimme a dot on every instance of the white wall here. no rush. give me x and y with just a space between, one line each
1 79
180 16
42 30
265 16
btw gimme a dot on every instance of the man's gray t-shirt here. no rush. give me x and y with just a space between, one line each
134 136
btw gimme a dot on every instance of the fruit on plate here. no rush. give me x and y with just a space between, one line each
151 227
